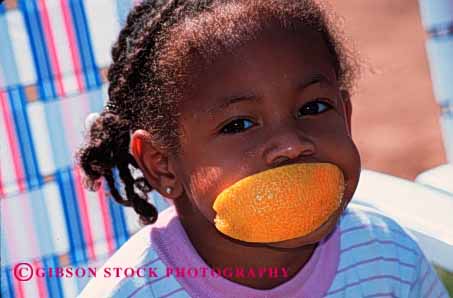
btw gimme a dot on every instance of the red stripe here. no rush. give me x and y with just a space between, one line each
81 198
72 43
42 289
106 219
51 45
18 288
2 191
20 177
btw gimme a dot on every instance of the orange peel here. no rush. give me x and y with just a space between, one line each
281 203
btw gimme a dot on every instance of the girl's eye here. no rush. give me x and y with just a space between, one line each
236 126
313 108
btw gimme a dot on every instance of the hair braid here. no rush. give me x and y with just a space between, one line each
109 146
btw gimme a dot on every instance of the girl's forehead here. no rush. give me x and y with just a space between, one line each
272 64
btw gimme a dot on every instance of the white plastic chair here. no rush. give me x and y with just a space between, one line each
440 177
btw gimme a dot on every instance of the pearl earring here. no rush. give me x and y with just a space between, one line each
168 189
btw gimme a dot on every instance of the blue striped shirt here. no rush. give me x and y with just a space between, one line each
368 255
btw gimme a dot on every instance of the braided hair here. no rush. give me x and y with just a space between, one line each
150 72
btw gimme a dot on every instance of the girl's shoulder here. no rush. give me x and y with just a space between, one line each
132 268
377 255
110 278
367 227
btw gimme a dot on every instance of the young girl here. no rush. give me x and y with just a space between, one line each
238 112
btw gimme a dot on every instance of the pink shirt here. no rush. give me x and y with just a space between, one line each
175 250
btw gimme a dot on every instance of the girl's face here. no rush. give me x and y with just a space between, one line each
274 101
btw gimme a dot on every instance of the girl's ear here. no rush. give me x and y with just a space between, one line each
346 101
154 165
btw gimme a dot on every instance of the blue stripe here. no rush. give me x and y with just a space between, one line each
441 30
7 62
72 216
4 254
39 49
80 252
370 283
2 8
118 222
124 232
372 262
117 213
113 220
92 76
66 209
112 214
6 279
53 284
41 222
17 101
59 144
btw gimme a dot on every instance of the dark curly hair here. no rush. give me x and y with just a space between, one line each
152 59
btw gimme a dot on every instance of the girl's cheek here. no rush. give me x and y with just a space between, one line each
203 184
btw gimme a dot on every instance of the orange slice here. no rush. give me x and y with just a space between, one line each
281 203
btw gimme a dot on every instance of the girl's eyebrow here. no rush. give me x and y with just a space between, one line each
229 100
232 99
314 79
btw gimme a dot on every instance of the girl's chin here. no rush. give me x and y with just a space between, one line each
314 237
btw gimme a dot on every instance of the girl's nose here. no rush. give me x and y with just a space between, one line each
288 146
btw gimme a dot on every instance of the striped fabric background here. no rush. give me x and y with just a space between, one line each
437 17
53 60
